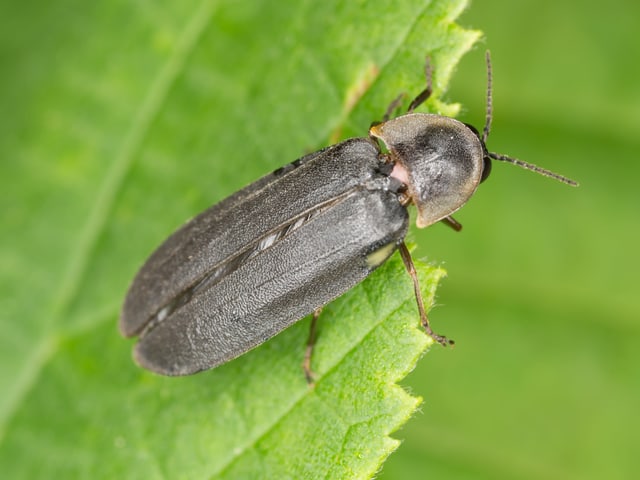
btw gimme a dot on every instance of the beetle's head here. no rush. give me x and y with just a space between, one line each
441 160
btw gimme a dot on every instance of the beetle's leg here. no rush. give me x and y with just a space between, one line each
452 222
411 270
311 341
387 115
426 93
393 106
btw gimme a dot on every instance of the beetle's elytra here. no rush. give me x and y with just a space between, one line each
289 243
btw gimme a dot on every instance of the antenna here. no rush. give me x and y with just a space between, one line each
487 119
533 168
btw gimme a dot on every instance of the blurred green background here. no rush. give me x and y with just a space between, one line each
542 295
543 292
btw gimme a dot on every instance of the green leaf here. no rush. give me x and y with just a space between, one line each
120 121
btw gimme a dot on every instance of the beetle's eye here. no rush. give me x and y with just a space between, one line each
486 169
473 129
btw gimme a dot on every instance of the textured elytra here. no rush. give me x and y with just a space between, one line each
287 244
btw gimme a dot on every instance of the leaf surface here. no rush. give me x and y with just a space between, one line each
121 120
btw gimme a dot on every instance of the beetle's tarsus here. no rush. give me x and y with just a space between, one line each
441 339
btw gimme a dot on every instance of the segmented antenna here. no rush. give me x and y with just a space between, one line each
489 113
533 168
505 158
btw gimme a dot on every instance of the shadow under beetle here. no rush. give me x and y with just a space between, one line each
291 242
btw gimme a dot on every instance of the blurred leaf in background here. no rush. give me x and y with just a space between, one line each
119 121
543 292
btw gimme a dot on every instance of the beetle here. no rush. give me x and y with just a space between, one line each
289 243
